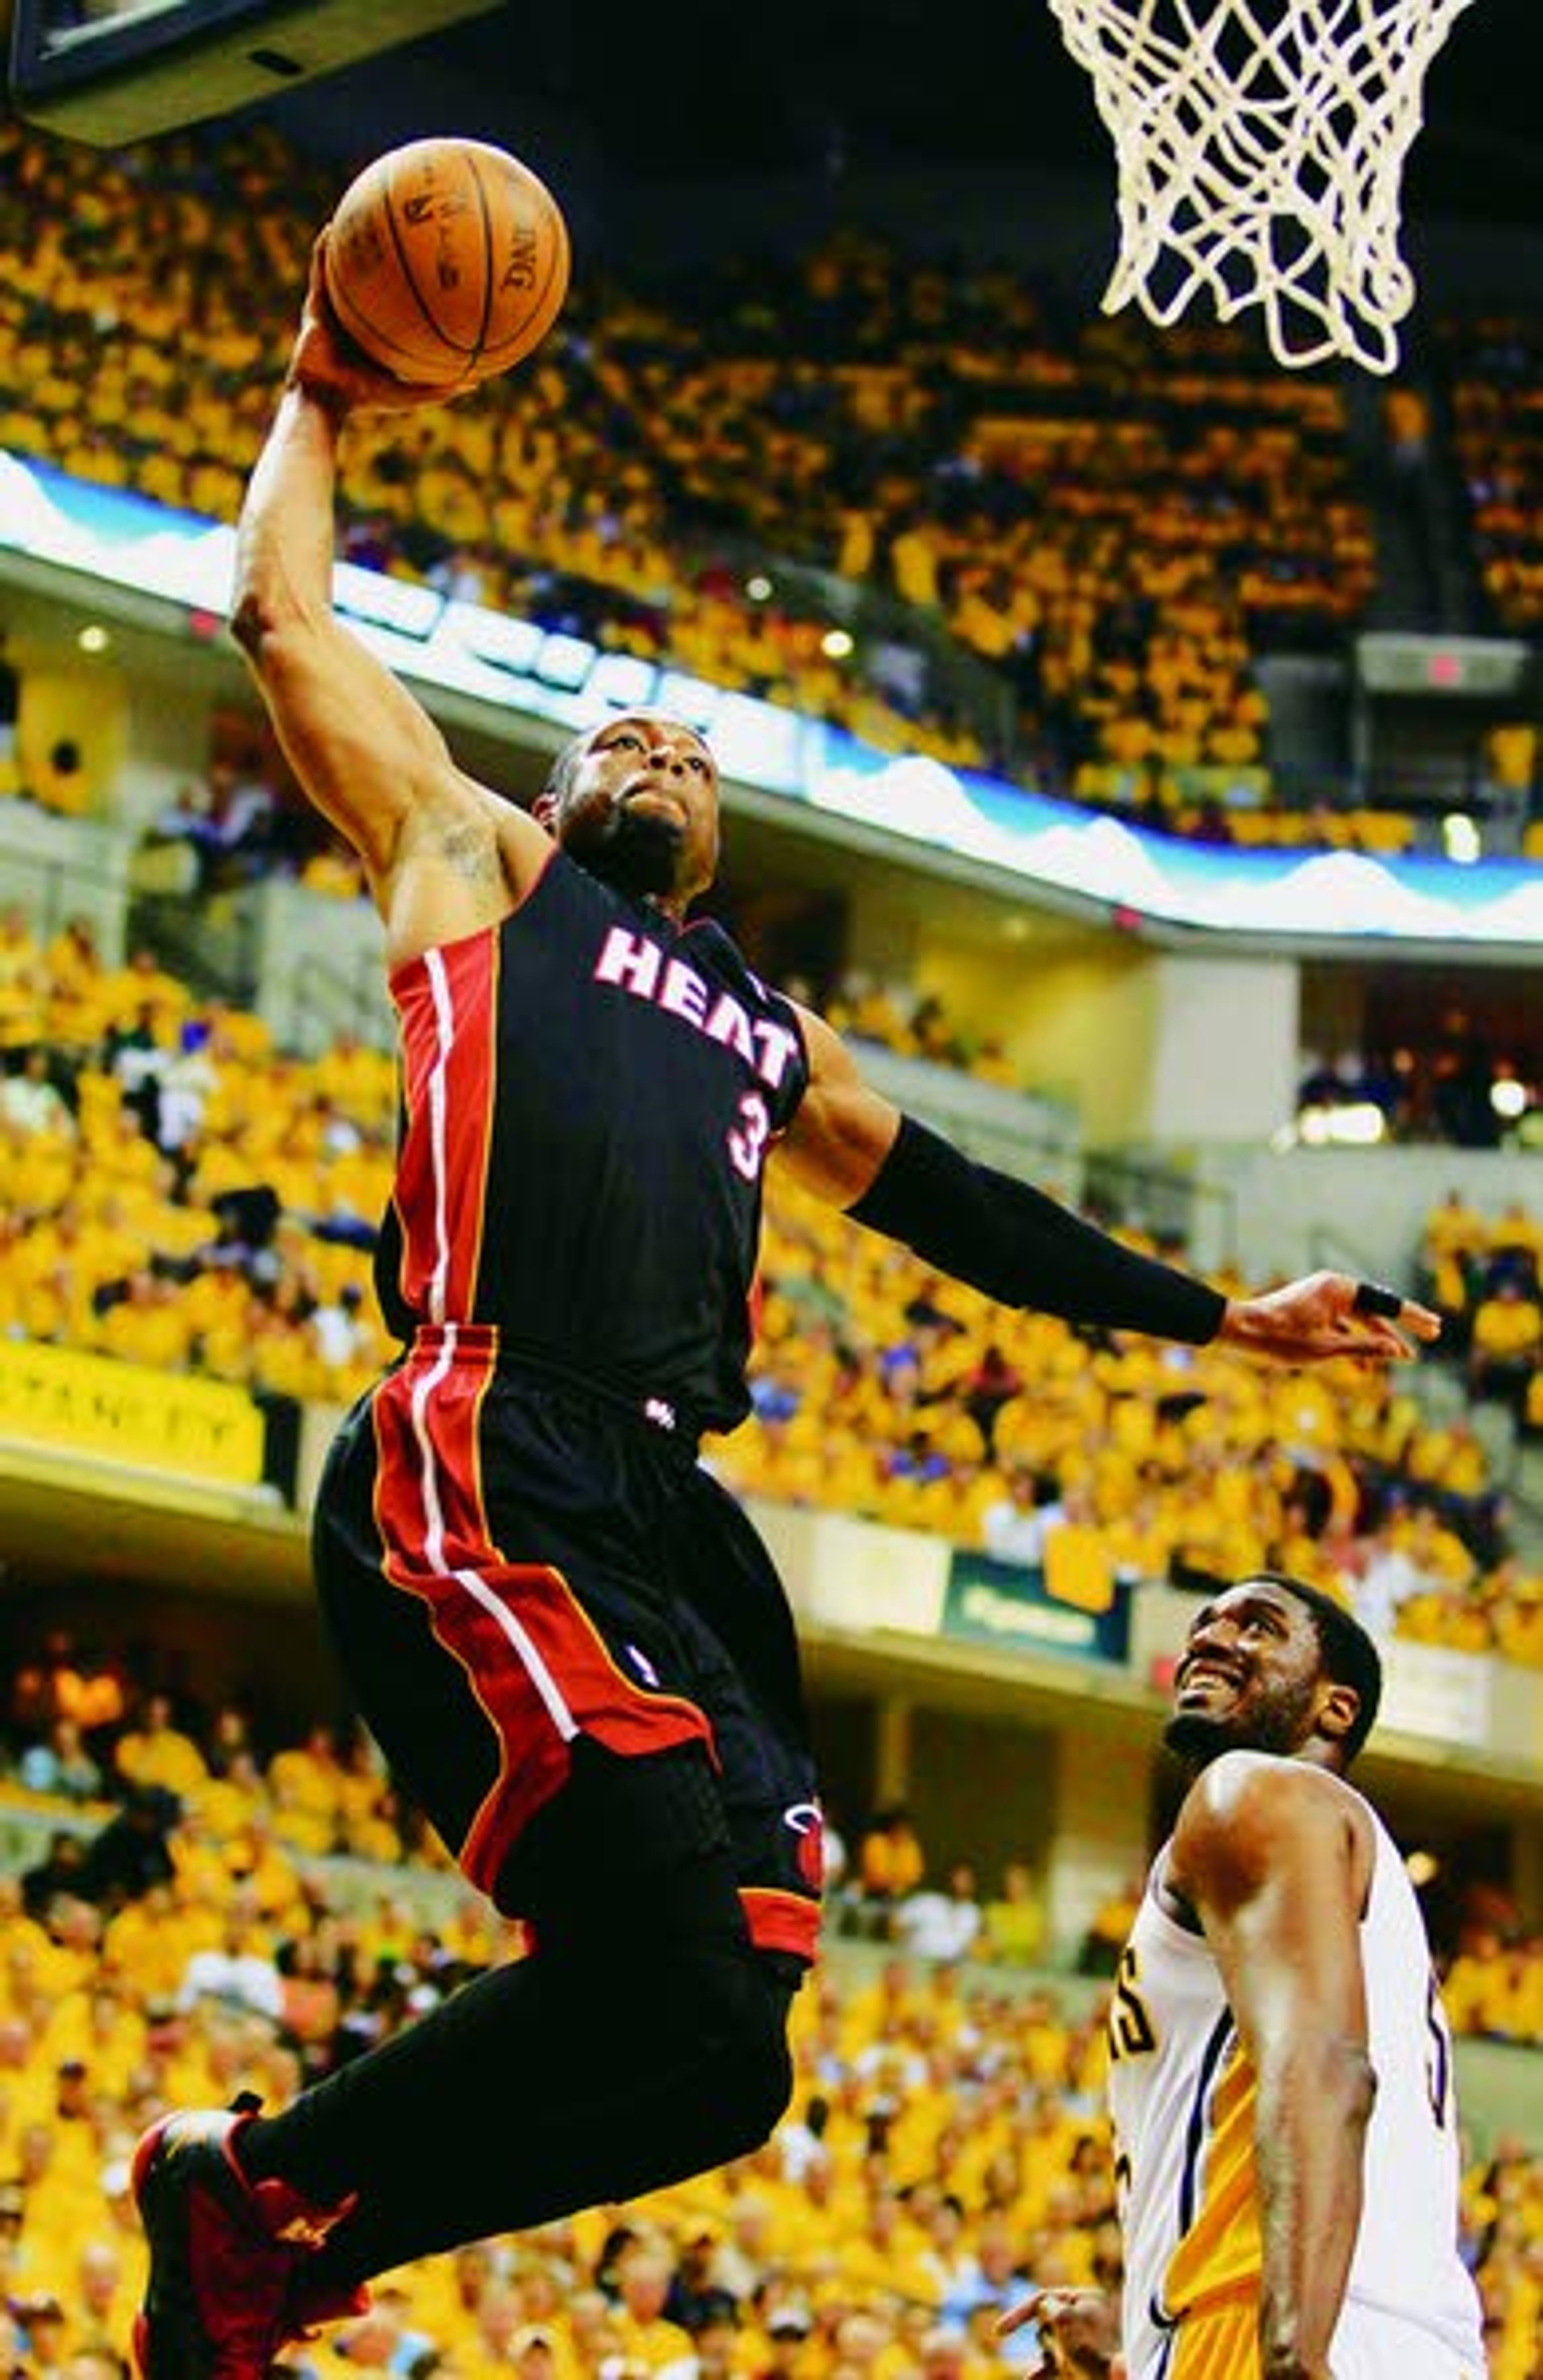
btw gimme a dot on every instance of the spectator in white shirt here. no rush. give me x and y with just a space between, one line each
1013 1529
33 1101
934 1925
236 1972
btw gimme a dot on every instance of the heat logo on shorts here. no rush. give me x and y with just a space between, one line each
806 1820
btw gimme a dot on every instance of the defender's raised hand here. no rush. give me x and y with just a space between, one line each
1079 2332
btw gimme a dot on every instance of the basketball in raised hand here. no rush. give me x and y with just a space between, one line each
446 261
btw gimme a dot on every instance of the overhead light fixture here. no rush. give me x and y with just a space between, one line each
1354 1123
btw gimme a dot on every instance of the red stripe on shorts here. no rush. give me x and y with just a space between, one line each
534 1661
781 1921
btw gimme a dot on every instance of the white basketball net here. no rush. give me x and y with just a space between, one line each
1260 146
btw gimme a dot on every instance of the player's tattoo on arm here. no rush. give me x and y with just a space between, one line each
472 852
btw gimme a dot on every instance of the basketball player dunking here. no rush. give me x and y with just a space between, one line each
1281 2081
568 1639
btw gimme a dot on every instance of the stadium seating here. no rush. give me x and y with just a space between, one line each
1062 547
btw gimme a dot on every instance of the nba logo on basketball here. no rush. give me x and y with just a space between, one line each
520 271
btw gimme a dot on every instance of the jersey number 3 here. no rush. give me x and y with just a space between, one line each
748 1138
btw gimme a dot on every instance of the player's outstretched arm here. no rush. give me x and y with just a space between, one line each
1275 1858
855 1149
363 747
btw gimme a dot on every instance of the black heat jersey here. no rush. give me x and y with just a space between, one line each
590 1095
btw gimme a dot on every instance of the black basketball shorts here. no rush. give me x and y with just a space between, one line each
526 1583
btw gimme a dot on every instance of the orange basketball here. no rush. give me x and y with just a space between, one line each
446 259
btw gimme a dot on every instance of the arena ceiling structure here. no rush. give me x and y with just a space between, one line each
683 90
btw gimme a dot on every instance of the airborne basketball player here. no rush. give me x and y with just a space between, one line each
568 1640
1281 2081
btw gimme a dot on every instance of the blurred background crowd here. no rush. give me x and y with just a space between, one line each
209 1912
935 504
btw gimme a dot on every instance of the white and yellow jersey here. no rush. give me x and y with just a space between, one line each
1182 2098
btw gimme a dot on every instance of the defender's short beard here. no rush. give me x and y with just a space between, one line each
1194 1740
1280 1726
635 852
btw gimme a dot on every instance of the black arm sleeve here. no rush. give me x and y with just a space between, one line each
1013 1243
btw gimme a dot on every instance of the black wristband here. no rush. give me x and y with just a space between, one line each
1010 1242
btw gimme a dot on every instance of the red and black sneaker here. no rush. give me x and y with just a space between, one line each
227 2254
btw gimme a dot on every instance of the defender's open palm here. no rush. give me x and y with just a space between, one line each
1079 2332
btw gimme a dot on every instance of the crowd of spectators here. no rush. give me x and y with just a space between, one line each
1451 1082
945 2149
1092 531
1484 1274
1495 365
172 1189
85 1731
911 1024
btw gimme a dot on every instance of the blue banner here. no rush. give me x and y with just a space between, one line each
1132 876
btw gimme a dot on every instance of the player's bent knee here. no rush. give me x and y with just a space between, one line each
748 2082
732 2002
